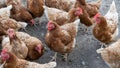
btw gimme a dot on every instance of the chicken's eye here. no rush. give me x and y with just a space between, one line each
10 31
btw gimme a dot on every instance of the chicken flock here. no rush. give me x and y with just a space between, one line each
64 16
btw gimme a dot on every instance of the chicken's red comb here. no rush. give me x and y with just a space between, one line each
79 8
97 15
4 51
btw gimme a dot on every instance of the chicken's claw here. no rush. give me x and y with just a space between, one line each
54 57
103 45
65 57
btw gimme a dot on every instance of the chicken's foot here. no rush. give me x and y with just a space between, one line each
103 45
54 57
35 25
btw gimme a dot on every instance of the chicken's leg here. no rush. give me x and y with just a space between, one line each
103 45
54 57
33 23
24 29
85 28
65 57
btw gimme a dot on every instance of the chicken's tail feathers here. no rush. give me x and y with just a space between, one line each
23 24
98 3
112 7
99 50
52 64
46 10
76 22
9 7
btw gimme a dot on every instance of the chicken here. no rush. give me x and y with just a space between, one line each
61 17
15 45
111 54
89 11
106 29
19 13
61 39
65 5
11 61
34 45
35 7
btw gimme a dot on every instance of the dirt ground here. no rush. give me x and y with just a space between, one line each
84 54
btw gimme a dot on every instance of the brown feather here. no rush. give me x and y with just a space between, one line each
35 7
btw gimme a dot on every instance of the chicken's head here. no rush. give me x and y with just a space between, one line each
4 55
50 25
11 33
97 18
32 22
78 11
38 48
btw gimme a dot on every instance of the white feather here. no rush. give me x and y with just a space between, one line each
2 65
5 40
23 24
112 14
77 23
5 12
46 11
74 42
52 64
115 35
9 7
46 65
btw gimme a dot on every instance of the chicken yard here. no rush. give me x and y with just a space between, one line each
84 55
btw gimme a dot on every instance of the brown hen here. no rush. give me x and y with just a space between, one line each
19 13
61 39
12 61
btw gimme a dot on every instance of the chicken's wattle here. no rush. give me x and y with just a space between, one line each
4 55
38 48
